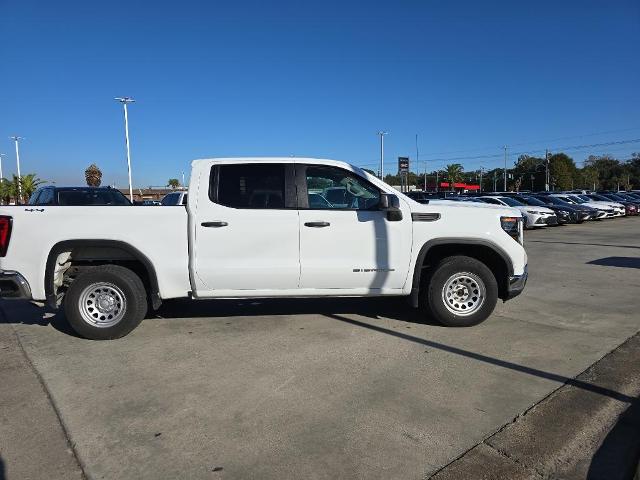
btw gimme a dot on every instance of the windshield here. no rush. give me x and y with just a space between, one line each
574 200
89 196
512 202
614 197
532 201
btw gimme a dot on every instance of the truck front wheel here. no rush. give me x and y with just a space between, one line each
460 292
105 302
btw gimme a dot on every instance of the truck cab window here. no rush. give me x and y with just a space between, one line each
46 197
252 186
335 188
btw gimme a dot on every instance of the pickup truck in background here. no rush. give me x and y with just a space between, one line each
258 228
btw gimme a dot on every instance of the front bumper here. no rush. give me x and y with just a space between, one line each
516 284
14 286
552 220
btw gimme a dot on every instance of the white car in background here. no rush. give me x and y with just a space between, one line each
606 210
174 199
534 216
618 207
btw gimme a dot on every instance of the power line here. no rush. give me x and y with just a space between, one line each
533 142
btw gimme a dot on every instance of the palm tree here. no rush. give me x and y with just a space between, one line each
93 175
454 173
5 191
28 184
173 183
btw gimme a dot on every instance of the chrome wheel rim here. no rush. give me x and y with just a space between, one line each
464 293
102 304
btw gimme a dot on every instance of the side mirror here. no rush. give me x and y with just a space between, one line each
391 204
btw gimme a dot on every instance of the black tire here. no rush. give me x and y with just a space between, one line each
132 309
431 291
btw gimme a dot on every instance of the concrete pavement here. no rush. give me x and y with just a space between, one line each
332 388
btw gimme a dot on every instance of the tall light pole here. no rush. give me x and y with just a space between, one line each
1 176
481 172
125 101
16 140
382 134
505 169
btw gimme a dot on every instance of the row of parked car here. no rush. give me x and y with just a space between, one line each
540 209
97 196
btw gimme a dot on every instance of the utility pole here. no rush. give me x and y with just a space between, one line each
505 169
1 176
546 170
481 172
418 163
124 101
17 139
437 181
183 185
382 134
495 180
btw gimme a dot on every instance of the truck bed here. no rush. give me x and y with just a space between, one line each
159 233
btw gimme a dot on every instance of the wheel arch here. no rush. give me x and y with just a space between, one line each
100 252
487 252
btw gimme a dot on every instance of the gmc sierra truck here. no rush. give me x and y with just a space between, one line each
257 228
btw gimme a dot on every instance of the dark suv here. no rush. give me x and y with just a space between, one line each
76 196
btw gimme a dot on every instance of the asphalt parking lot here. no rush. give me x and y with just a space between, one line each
336 388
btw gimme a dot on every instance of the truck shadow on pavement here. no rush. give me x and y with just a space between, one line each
375 307
25 313
21 312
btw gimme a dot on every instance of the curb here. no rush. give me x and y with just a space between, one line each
588 428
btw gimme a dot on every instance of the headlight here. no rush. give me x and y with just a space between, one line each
534 212
512 226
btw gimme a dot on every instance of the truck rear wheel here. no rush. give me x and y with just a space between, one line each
460 292
105 302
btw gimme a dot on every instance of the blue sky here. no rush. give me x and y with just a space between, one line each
312 78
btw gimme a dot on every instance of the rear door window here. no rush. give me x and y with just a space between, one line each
250 186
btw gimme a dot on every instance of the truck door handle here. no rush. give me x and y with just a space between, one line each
317 224
214 224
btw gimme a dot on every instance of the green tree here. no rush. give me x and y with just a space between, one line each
93 175
454 174
6 191
589 178
563 171
531 171
173 183
28 184
609 169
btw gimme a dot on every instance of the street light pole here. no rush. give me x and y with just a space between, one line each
1 155
505 169
382 134
16 140
1 176
124 101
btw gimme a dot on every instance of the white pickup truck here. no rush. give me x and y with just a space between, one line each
257 228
